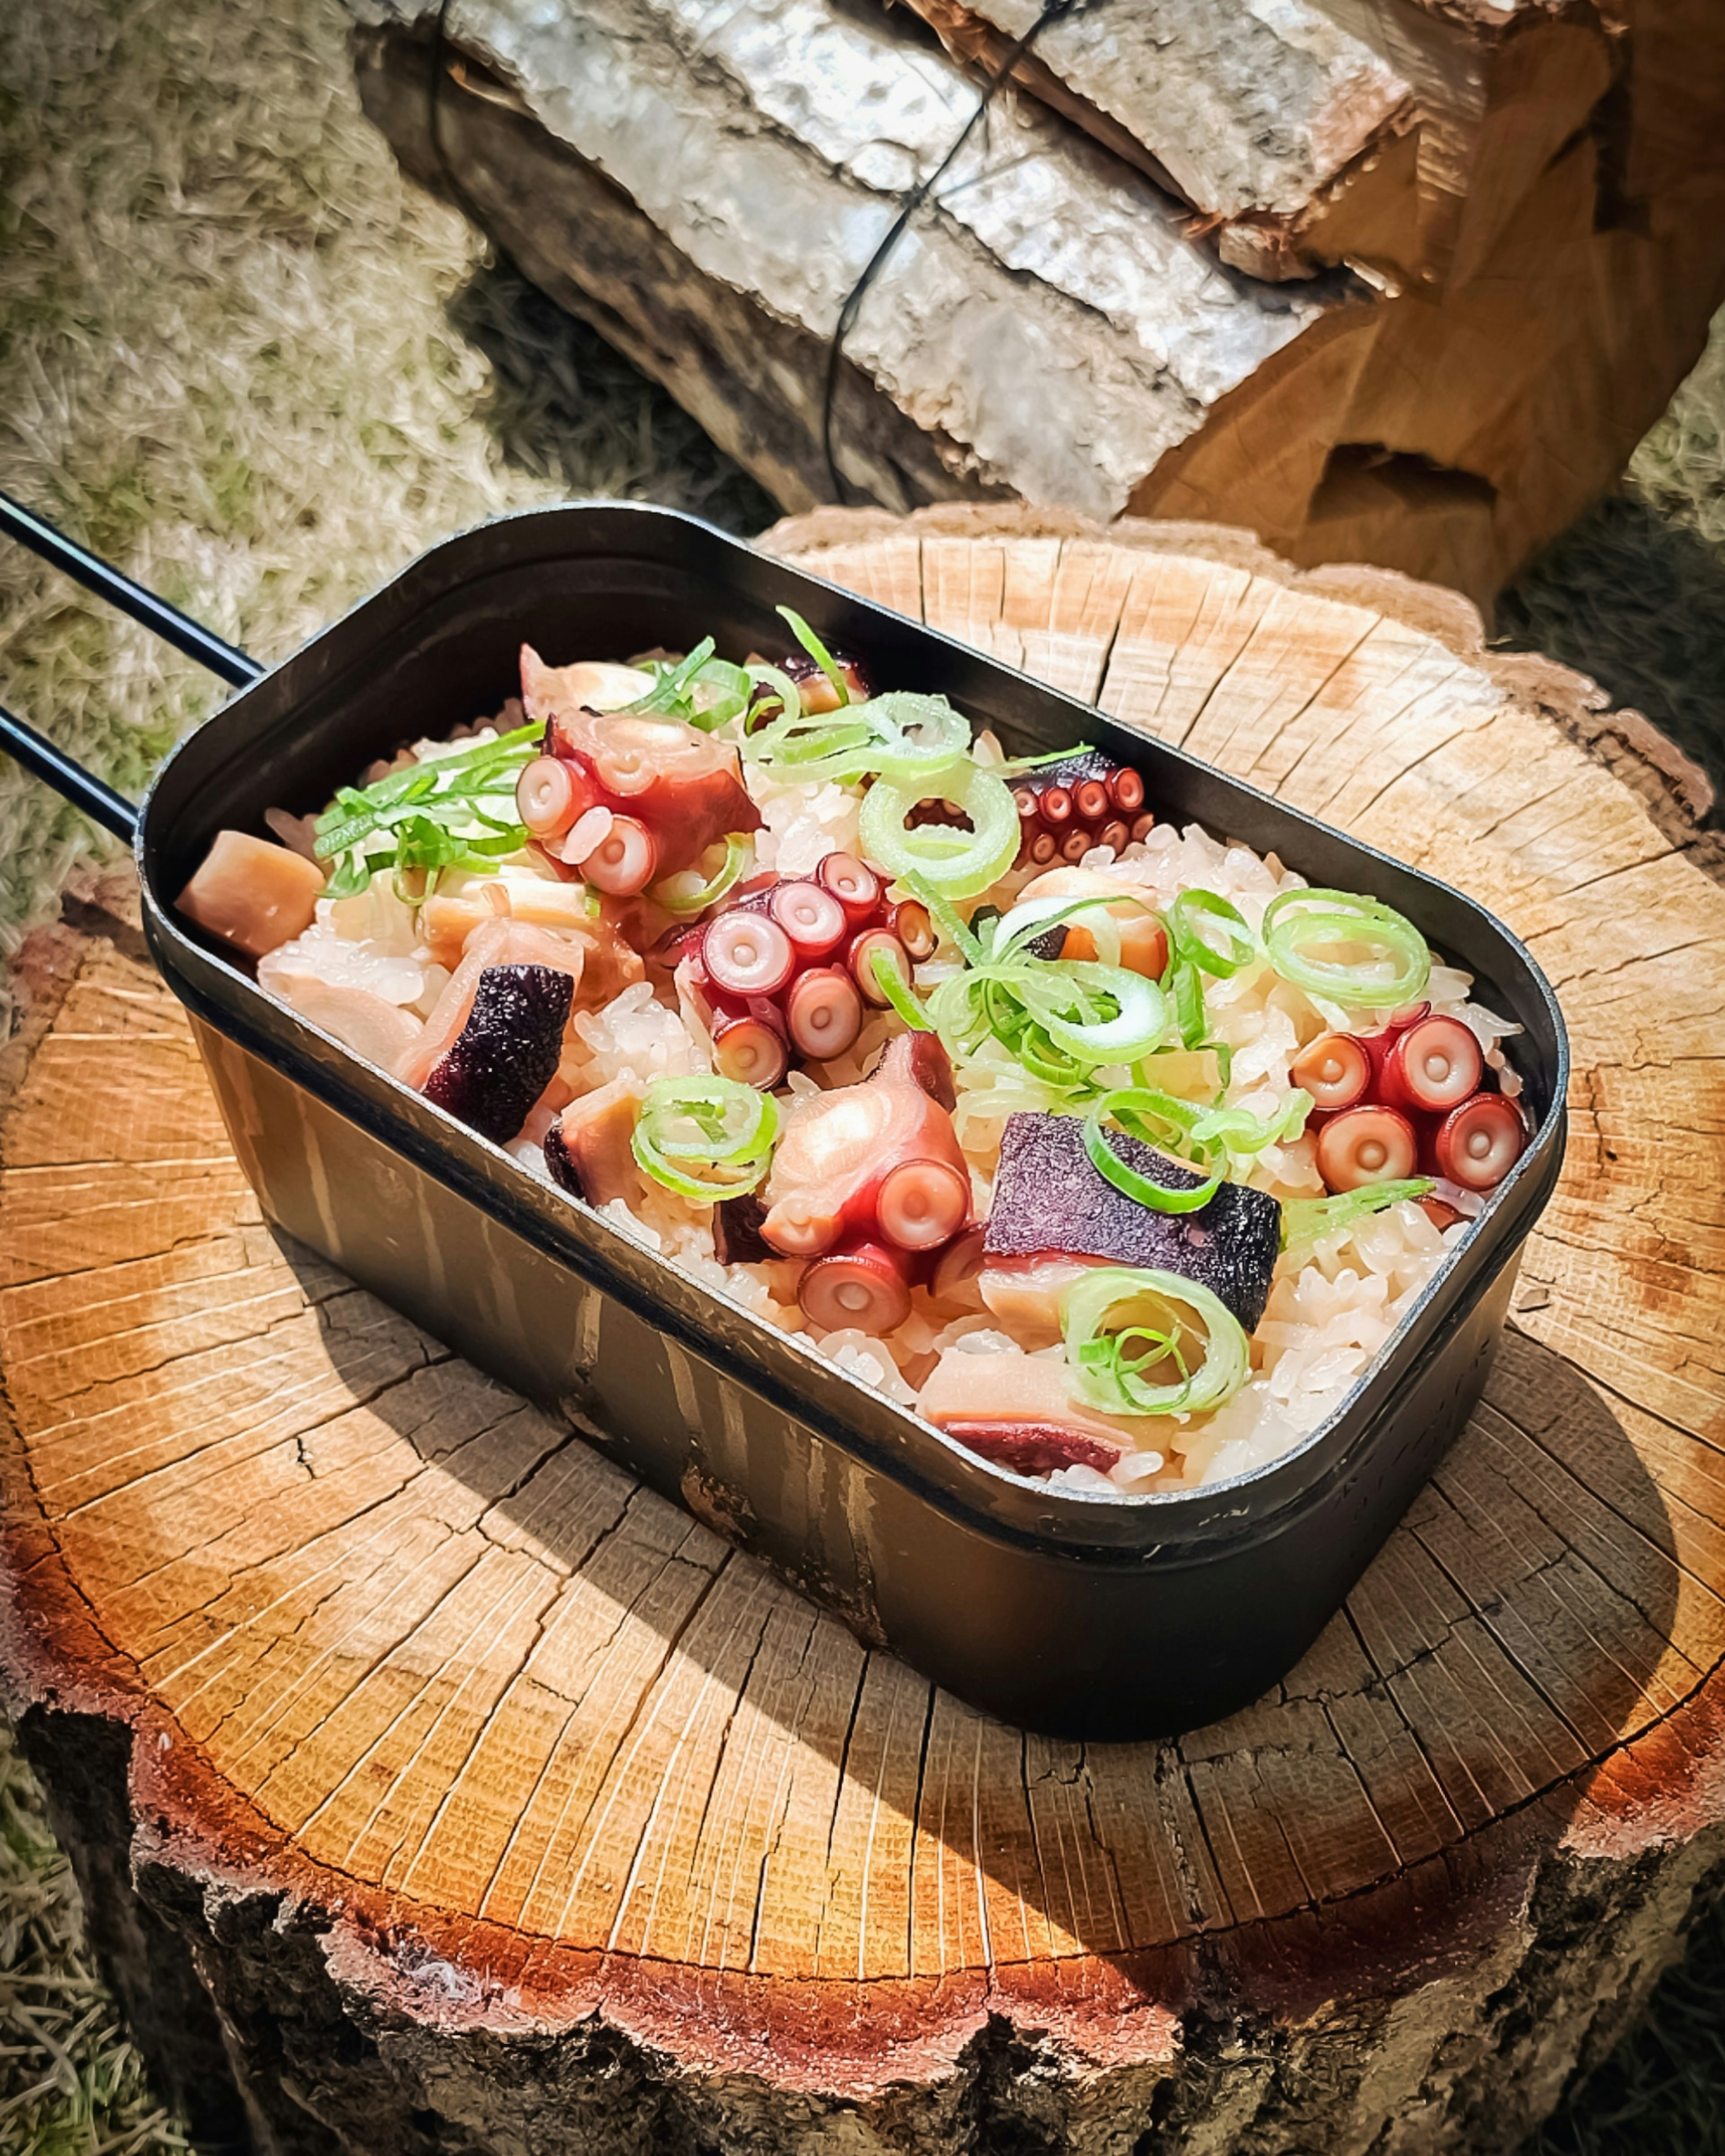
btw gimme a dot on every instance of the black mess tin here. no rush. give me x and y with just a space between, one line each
1081 1613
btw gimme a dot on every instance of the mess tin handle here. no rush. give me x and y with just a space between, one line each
35 751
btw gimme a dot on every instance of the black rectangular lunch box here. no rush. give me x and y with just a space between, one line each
1089 1614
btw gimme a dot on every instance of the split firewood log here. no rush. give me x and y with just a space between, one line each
1484 242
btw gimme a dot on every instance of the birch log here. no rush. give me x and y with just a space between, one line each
1515 215
475 1800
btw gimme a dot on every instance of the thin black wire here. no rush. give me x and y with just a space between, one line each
912 202
435 120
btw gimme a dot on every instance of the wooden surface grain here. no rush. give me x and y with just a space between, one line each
540 1755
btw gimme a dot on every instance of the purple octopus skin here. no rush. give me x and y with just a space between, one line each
1049 1198
562 1169
737 1231
507 1053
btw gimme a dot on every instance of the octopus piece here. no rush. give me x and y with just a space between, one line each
252 894
952 1279
592 685
795 958
1431 1065
609 965
737 1231
1084 800
629 799
359 1017
1050 1199
507 1053
587 1149
751 1047
1409 1095
874 1163
1336 1071
1019 1411
865 1287
1477 1144
499 942
1366 1144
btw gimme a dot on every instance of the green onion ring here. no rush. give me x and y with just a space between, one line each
1135 1029
957 864
1298 920
1193 907
1142 1105
1107 1377
686 893
733 1127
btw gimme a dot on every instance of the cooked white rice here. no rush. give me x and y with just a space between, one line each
1330 1312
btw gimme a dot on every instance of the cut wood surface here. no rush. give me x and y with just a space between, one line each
1516 215
500 1806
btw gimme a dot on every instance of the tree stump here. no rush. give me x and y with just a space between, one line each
497 1806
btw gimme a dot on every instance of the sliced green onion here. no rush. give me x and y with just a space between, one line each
1306 1221
1015 764
790 700
918 732
957 864
1243 1132
425 815
1185 990
1112 1369
715 1124
439 788
817 651
900 736
1301 925
674 683
1153 1114
893 985
1139 1021
718 693
687 893
1195 915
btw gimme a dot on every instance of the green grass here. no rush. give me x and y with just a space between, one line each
71 2084
244 358
1633 593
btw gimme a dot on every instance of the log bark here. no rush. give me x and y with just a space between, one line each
1517 215
499 1807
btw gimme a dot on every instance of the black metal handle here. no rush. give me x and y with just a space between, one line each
236 668
68 776
35 751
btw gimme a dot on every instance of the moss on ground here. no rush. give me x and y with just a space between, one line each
243 357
